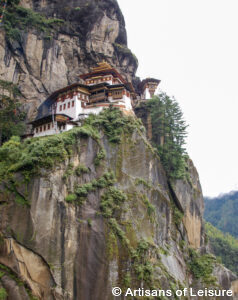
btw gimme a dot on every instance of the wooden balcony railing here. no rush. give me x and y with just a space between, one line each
117 96
97 97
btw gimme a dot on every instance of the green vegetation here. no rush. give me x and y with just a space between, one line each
222 212
150 208
69 171
30 156
81 169
3 294
99 157
177 215
81 191
7 271
71 198
123 49
141 263
147 184
111 201
114 123
141 266
202 266
169 132
18 18
11 116
224 246
21 200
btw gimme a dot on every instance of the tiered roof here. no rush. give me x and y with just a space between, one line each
103 68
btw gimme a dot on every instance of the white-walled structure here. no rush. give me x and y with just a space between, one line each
102 87
149 87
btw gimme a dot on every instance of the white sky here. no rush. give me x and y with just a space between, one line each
192 46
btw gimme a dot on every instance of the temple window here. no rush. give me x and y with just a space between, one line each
44 127
68 104
48 126
64 106
60 107
37 130
40 129
72 103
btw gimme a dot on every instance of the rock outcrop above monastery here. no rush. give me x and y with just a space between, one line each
92 31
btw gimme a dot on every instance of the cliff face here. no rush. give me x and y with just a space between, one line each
105 216
100 211
92 31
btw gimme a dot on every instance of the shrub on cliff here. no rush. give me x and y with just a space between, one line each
169 133
17 18
114 123
31 155
3 294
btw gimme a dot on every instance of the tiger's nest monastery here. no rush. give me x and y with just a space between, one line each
103 87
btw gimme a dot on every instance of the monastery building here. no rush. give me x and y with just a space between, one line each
103 87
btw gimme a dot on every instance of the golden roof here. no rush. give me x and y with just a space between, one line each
102 66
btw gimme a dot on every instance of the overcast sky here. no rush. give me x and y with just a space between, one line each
192 46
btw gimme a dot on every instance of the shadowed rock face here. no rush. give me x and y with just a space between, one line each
40 66
63 250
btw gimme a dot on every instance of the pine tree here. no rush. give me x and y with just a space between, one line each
169 133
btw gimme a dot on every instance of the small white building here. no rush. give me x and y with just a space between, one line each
102 87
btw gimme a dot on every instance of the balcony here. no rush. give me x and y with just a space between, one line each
97 97
117 96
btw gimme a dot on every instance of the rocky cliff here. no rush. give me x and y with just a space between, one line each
91 209
40 64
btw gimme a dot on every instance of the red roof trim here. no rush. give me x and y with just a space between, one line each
111 71
65 89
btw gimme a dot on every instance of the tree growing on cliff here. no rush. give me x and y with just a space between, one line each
169 133
11 116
